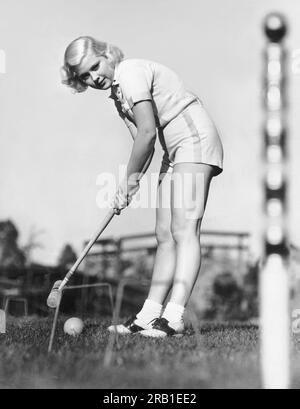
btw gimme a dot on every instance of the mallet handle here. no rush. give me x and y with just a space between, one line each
87 248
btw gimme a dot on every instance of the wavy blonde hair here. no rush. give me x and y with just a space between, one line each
77 50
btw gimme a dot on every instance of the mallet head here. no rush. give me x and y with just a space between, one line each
55 295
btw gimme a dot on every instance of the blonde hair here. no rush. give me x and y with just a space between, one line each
77 50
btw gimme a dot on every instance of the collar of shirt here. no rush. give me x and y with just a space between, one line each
116 75
115 83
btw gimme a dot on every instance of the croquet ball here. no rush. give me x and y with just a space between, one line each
73 326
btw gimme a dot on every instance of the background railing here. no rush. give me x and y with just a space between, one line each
227 284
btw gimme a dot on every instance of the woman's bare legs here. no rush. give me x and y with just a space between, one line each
189 193
165 259
164 264
178 256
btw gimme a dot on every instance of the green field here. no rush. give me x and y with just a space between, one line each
218 356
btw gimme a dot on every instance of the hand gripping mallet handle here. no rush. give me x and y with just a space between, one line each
55 293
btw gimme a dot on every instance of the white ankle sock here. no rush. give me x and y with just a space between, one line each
173 312
150 310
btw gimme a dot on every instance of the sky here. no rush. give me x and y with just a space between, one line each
54 144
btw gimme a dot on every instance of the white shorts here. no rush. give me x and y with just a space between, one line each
191 137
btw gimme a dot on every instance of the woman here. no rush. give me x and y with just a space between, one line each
152 100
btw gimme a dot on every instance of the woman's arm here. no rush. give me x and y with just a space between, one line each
141 154
132 128
144 140
133 131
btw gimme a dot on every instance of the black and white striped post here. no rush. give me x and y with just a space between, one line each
274 284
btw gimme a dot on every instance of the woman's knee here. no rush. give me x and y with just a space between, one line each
163 234
185 231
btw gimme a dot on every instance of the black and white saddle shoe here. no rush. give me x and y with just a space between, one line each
161 328
132 326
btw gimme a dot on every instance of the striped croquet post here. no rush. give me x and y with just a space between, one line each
274 285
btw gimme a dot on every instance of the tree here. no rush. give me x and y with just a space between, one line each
67 257
33 242
10 254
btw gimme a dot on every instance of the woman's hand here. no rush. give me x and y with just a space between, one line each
124 195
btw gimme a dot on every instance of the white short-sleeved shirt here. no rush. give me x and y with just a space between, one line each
139 80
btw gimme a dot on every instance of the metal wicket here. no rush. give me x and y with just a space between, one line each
54 324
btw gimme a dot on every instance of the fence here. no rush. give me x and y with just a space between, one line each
224 266
114 258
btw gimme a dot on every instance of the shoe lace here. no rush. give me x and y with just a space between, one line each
154 319
160 323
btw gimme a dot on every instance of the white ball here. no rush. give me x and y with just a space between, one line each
73 326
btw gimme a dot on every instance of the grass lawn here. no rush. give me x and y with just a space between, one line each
219 356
